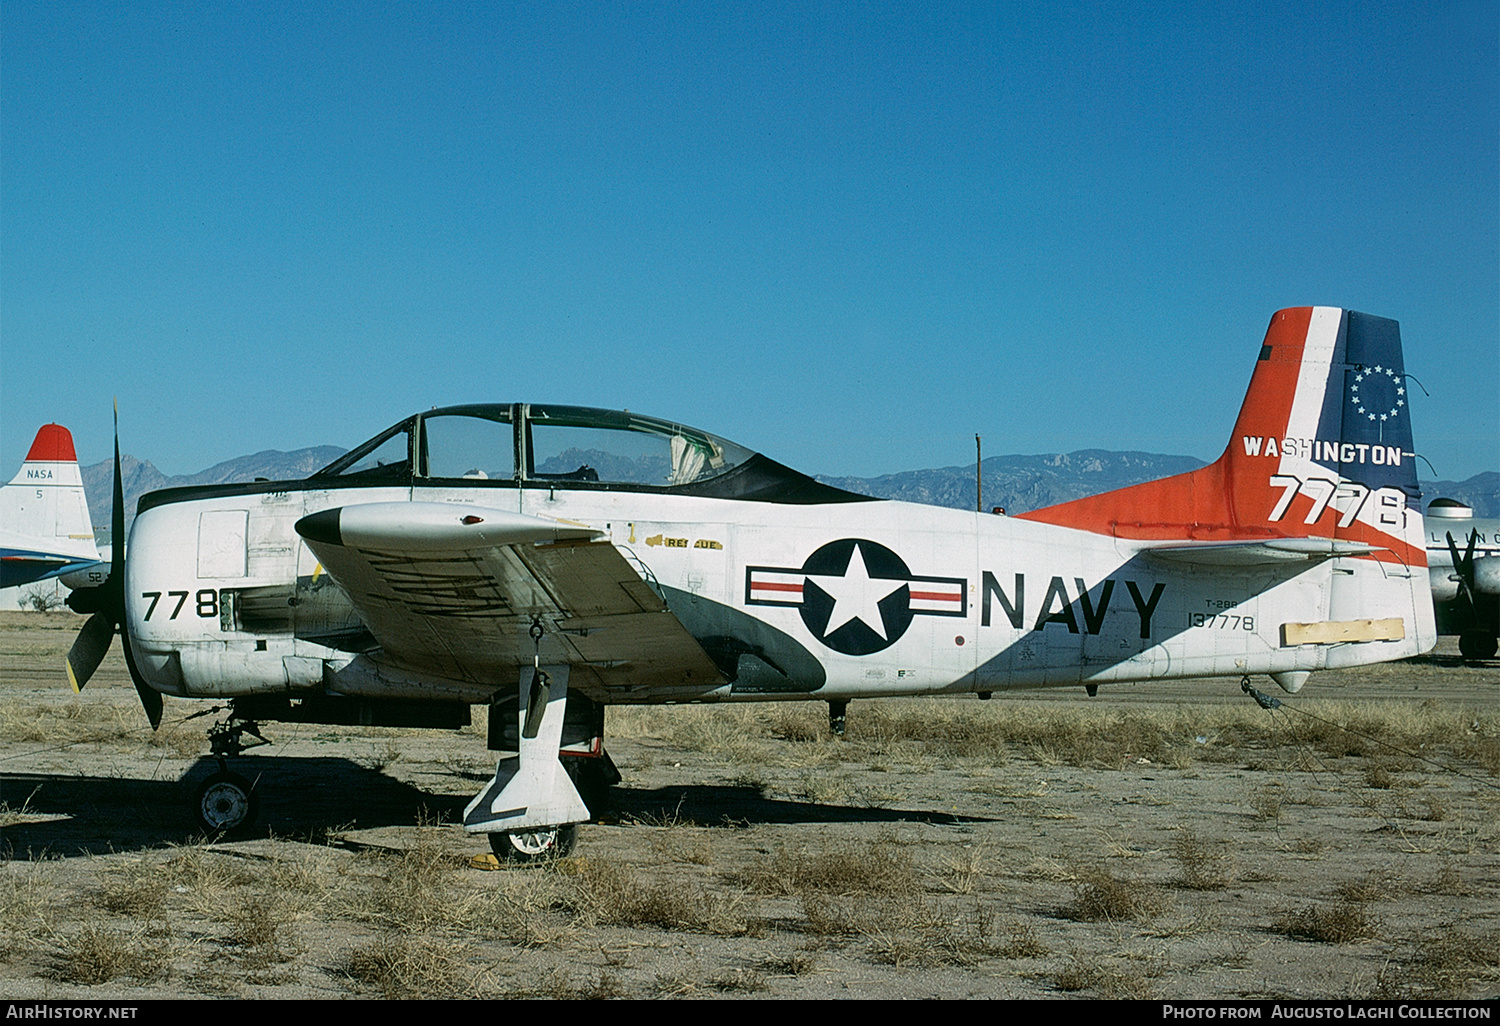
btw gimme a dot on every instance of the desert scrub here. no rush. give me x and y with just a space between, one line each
1343 922
399 965
607 894
98 954
1204 865
878 868
1100 896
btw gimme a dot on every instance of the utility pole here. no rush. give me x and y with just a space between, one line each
978 477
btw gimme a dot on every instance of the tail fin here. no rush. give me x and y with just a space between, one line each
1322 449
1320 466
44 517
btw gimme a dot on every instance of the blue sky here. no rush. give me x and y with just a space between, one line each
848 235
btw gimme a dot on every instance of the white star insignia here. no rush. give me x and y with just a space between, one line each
857 595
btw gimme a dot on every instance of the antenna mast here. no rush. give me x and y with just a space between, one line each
978 477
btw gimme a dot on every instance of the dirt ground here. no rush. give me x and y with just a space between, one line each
1158 841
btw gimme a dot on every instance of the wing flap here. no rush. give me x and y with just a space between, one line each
453 590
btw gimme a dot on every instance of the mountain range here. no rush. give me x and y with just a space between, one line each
1018 483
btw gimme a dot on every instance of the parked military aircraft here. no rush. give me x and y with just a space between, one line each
1463 558
553 560
44 518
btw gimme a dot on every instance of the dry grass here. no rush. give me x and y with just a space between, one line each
905 929
29 905
413 923
1377 885
136 890
207 873
917 731
607 894
262 932
1204 865
97 954
1022 942
399 965
881 868
1444 966
1457 964
1343 922
557 985
1267 803
413 891
1088 974
1100 896
796 963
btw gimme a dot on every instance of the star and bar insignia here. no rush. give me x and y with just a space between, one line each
856 596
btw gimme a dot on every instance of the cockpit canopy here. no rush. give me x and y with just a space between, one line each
544 446
534 443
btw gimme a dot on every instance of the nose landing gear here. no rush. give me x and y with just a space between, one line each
226 804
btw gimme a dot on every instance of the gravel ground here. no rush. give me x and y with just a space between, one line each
1158 841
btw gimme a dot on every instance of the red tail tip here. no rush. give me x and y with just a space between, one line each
54 444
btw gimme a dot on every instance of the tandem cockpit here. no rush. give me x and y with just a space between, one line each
548 446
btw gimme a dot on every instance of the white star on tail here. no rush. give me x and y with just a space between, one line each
857 596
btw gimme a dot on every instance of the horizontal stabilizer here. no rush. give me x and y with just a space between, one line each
1259 553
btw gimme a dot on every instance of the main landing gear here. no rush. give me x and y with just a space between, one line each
539 845
557 778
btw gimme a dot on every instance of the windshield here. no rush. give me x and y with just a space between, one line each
387 456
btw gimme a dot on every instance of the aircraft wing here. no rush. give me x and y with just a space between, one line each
1258 552
454 590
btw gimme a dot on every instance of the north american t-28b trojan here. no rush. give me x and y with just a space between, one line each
550 561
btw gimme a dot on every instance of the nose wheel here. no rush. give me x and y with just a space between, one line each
226 804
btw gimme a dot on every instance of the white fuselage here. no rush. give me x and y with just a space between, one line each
224 599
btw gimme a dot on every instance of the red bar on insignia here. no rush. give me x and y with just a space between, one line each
777 587
937 597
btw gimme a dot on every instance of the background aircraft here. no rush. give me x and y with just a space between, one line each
44 518
550 561
1463 558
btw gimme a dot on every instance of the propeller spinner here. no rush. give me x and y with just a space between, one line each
107 604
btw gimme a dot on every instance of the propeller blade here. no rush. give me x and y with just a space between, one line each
117 521
150 697
89 648
1463 566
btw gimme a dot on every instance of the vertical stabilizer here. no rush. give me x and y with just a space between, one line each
1322 448
1319 473
44 517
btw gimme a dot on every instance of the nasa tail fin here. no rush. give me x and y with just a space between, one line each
44 517
1320 466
